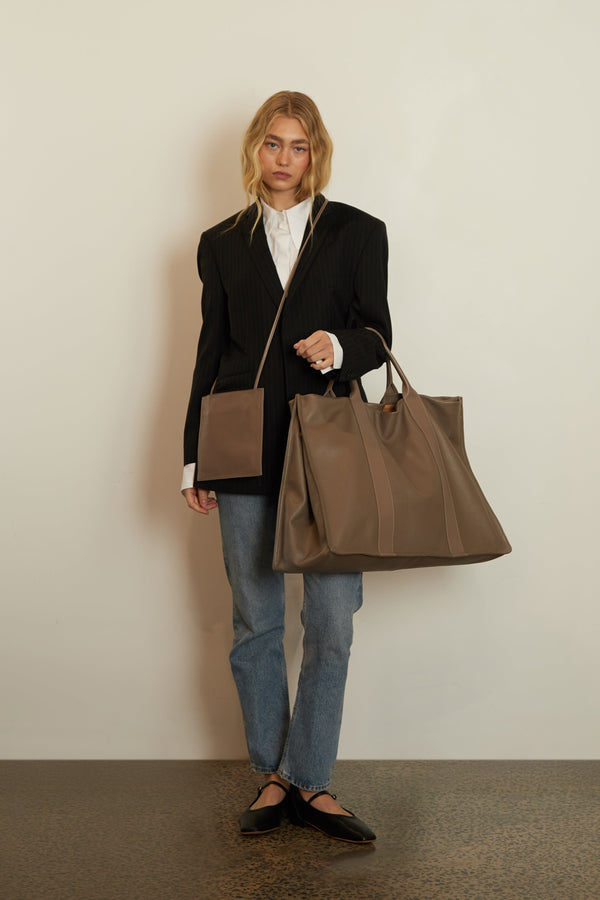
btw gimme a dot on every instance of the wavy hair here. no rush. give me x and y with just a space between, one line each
294 105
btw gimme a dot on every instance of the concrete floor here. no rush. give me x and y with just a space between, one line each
452 830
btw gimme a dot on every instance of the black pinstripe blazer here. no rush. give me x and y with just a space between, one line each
340 286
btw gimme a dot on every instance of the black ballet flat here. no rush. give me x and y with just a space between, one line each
341 828
265 818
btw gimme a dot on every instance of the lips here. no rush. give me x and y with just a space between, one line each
284 175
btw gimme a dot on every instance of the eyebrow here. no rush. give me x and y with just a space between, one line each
274 137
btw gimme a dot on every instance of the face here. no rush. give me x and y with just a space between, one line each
284 157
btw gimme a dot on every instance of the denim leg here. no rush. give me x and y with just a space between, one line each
330 602
257 658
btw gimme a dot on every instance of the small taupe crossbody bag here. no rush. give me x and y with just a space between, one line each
231 424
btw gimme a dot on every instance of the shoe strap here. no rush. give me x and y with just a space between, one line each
320 794
276 783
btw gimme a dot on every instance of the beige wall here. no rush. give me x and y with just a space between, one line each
469 127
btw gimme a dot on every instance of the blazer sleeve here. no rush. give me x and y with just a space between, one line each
211 344
363 350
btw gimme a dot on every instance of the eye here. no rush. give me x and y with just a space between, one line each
301 149
271 145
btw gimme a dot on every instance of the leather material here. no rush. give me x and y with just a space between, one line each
230 435
265 818
366 488
342 828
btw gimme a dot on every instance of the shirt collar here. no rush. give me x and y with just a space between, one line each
296 218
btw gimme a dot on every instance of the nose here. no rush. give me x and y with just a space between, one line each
283 157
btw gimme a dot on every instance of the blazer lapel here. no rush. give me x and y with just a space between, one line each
315 244
261 255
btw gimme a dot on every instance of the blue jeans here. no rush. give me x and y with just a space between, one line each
303 748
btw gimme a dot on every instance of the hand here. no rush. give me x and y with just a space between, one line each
316 349
198 500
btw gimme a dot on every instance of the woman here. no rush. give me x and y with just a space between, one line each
338 288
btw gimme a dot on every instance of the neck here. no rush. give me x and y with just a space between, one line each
282 201
280 205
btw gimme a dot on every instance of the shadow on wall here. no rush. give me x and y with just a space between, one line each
207 602
206 606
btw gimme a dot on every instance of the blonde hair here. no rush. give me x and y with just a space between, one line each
294 105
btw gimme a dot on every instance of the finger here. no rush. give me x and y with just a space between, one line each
322 353
203 507
307 345
199 500
205 502
323 363
319 354
194 504
190 496
317 351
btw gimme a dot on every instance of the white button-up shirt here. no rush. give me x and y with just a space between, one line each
285 230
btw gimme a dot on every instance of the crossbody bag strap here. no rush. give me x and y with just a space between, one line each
285 293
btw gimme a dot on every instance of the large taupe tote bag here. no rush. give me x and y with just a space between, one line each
230 437
379 486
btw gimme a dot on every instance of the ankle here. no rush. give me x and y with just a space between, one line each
306 795
277 779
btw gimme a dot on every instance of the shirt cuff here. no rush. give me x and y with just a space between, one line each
338 354
189 476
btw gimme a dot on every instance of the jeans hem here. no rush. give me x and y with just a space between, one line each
261 770
302 784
